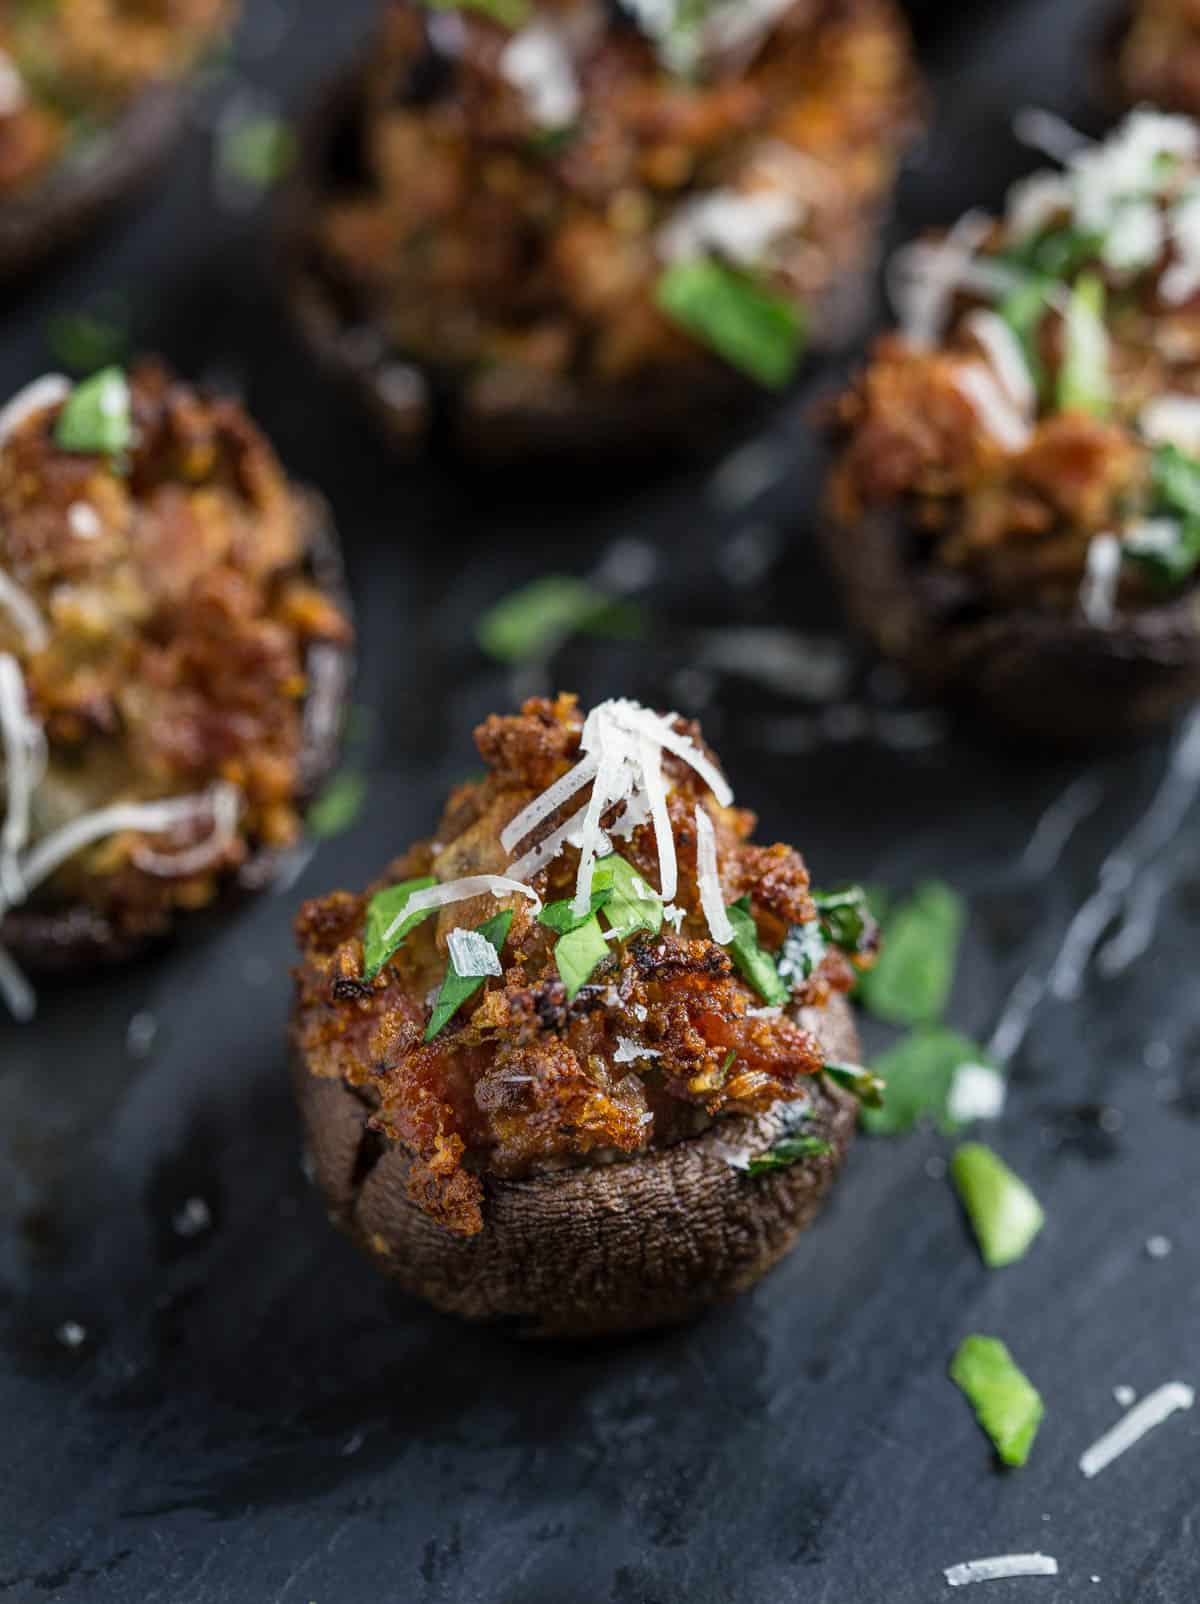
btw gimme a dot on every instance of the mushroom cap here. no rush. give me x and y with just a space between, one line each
77 194
592 1251
1043 674
73 940
493 419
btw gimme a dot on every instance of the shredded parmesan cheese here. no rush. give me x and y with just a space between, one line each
538 63
709 881
1000 1568
18 995
1049 133
12 86
744 228
84 521
547 850
1156 1407
24 748
1098 592
1172 420
923 278
472 954
225 801
1003 350
46 392
992 406
23 611
474 885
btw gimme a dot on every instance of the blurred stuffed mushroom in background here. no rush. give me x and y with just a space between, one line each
91 93
1153 54
1014 516
584 1060
587 227
174 659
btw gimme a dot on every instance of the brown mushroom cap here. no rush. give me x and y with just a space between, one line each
492 418
1041 674
77 195
72 940
593 1251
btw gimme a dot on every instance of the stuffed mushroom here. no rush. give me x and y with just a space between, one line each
1015 512
586 226
90 95
583 1061
174 658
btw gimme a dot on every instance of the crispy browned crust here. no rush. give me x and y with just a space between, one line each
1042 674
73 940
76 196
591 1251
417 406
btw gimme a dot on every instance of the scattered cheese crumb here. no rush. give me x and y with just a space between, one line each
193 1219
71 1334
1159 1247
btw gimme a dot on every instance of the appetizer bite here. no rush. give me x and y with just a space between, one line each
583 1060
174 658
1015 513
586 226
1155 54
90 95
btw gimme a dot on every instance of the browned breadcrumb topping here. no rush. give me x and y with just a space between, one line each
479 240
521 1079
68 64
178 611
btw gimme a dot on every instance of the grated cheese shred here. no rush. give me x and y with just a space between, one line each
709 880
1001 1567
1156 1407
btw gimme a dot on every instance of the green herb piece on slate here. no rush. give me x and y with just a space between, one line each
456 988
532 622
911 981
386 924
755 963
97 416
84 342
258 151
1004 1213
919 1072
787 1151
1006 1403
338 806
760 334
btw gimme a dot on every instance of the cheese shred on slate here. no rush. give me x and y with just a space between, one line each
1000 1568
1158 1406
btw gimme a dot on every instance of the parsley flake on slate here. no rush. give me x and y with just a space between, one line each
1003 1212
911 981
338 805
759 333
456 988
97 416
532 622
919 1072
1006 1403
386 924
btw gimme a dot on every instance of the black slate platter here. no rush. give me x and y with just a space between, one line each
208 1399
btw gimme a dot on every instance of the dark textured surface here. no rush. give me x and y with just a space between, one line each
254 1418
